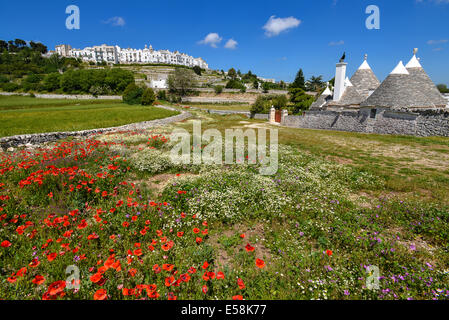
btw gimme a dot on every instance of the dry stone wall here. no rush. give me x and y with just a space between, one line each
421 123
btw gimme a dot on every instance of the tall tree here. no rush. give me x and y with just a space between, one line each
181 81
315 84
299 81
3 45
232 74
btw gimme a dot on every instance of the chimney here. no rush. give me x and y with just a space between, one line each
340 76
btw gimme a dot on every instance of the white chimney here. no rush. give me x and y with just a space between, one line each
340 76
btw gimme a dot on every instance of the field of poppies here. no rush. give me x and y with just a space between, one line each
111 217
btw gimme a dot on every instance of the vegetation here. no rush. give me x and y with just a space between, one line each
133 94
148 97
218 89
23 68
181 82
264 103
300 101
299 81
336 206
443 88
23 115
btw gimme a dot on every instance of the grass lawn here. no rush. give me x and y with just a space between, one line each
343 211
24 115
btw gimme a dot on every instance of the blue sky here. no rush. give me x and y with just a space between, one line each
302 33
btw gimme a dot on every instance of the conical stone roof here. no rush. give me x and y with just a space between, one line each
422 82
351 96
398 91
365 80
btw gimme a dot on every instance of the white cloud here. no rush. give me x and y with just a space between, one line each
432 42
438 49
275 26
116 21
336 43
211 39
231 44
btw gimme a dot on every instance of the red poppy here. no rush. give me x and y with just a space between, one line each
220 275
6 244
204 289
260 263
237 297
249 248
205 265
168 267
34 263
240 283
101 294
52 256
329 252
56 287
199 240
38 280
171 296
242 236
96 277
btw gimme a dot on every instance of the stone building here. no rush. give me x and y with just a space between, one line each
407 102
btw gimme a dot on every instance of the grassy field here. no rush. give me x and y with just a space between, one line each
343 211
24 115
222 106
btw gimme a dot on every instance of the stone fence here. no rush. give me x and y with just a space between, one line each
63 96
381 121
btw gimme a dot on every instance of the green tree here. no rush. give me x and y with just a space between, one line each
300 100
3 45
162 95
443 88
232 74
52 82
266 87
148 97
218 89
299 81
181 81
235 84
133 94
197 70
315 84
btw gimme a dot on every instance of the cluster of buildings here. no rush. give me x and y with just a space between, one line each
117 55
407 102
407 88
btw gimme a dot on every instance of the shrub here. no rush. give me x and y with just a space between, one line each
32 82
3 79
218 89
162 95
148 97
132 94
52 81
263 103
235 84
10 86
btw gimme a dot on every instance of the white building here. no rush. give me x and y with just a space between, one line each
115 54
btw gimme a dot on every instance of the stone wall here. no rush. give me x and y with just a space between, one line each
421 123
64 96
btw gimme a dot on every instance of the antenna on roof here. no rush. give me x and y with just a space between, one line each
366 56
415 51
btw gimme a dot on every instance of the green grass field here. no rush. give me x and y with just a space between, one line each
221 106
25 115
